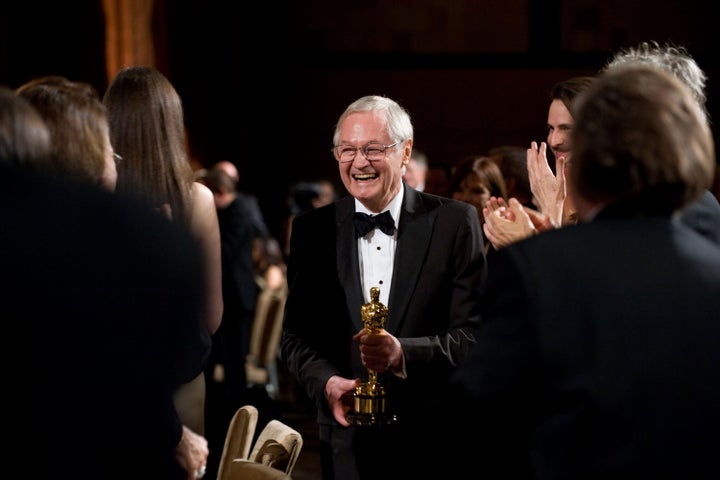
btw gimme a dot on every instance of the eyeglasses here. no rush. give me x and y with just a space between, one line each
372 151
118 159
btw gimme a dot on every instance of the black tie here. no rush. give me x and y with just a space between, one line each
364 223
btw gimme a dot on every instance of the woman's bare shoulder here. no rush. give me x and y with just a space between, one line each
201 193
204 213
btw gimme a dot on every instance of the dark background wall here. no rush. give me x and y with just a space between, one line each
263 86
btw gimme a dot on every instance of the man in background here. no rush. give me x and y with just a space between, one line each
416 170
226 387
251 201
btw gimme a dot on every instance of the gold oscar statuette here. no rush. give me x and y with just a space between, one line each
370 402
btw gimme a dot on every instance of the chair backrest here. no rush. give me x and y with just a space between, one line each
278 446
267 325
265 336
238 439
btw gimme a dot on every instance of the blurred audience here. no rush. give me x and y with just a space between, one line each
112 272
416 170
602 368
510 222
304 197
229 168
437 179
250 201
270 267
474 181
512 160
326 193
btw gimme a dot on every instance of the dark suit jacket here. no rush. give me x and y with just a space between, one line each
231 341
433 304
257 219
703 215
108 297
237 230
598 356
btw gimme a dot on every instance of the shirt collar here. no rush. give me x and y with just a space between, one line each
393 207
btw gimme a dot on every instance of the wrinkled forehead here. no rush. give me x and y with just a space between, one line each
364 127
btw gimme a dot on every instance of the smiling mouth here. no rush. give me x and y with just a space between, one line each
364 176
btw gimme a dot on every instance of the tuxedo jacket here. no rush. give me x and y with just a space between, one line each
433 304
598 355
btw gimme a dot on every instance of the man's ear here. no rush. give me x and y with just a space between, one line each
408 151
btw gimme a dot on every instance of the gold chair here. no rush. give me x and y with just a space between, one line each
245 470
261 364
238 439
278 446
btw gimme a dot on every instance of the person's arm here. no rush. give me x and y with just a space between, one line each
316 310
204 226
433 355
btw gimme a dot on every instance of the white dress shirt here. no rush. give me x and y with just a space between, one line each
377 253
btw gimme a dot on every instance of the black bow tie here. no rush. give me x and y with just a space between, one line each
364 223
